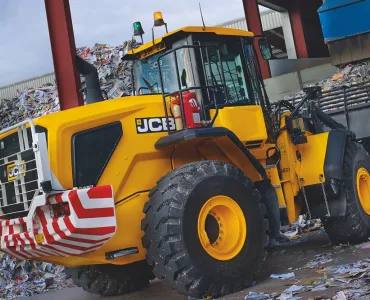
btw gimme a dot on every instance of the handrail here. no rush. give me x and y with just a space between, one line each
181 90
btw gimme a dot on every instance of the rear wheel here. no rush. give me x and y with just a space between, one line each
354 227
112 280
204 229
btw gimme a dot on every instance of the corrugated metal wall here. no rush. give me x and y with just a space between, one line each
11 91
240 23
270 20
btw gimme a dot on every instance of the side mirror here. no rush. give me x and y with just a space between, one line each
265 48
183 78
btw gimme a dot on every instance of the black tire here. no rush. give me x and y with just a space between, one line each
366 144
270 200
112 280
171 238
354 226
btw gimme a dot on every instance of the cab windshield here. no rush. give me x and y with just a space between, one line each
147 77
199 67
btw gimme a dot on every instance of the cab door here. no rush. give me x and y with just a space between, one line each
239 105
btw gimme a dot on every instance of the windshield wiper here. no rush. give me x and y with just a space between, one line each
150 87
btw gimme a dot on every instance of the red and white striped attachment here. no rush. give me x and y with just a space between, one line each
71 223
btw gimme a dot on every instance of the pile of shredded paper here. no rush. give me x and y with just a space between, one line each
350 75
28 278
114 76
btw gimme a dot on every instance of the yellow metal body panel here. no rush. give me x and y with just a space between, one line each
313 158
193 29
308 169
247 122
289 165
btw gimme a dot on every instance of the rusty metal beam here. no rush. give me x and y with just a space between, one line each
254 23
278 5
63 48
297 29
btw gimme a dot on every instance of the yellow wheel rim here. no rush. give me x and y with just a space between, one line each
363 189
222 228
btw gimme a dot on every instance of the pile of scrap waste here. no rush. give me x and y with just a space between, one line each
28 278
114 76
297 230
348 76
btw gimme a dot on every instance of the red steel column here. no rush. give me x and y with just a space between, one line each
297 29
254 23
64 50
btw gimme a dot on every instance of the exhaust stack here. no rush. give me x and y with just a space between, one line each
93 91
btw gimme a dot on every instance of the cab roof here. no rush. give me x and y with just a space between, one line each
190 29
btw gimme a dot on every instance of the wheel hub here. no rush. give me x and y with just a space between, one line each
363 189
212 228
222 228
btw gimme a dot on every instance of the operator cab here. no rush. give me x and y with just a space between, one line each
198 71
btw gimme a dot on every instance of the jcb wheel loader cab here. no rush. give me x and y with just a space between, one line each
204 229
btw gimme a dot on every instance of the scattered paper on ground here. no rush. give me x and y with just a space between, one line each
282 276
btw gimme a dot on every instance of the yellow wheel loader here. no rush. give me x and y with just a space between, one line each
178 180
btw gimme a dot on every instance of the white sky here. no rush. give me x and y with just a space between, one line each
25 46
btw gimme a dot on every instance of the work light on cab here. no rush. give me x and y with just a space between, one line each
138 30
158 22
158 19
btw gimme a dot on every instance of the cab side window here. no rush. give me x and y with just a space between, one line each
231 69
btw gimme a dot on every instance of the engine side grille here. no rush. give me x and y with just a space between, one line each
18 173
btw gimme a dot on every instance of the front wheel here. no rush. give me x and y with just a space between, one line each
354 227
204 229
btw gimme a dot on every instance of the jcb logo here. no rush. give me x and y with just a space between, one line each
152 125
155 65
13 170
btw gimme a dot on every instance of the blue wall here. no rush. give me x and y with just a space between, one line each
343 18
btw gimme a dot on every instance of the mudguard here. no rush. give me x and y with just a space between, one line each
335 153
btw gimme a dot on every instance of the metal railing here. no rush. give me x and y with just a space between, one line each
344 97
348 105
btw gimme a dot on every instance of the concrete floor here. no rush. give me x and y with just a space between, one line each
281 260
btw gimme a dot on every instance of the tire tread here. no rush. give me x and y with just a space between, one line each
112 280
